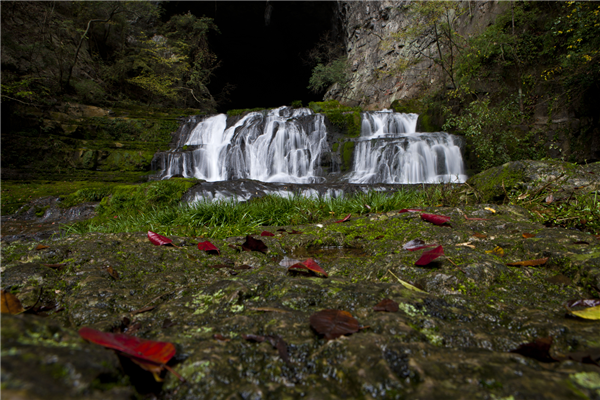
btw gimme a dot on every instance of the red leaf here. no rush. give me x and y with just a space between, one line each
405 210
346 218
266 233
388 305
254 338
416 244
148 354
334 323
435 219
252 244
208 247
310 265
539 349
430 255
159 240
295 232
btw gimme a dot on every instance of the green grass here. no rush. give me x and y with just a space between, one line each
223 219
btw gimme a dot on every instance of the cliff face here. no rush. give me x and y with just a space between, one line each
376 80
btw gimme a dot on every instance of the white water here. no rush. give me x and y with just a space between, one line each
391 151
278 147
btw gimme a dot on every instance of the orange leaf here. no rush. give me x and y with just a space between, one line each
10 304
529 263
528 235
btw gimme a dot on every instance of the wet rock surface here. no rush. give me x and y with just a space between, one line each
451 341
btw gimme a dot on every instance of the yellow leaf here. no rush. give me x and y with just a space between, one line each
490 209
588 313
406 284
499 251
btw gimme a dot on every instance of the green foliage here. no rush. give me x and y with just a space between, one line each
224 219
297 104
325 75
346 118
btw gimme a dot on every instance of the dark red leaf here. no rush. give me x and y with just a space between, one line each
435 219
346 218
310 265
334 323
388 305
266 233
254 338
148 354
416 244
159 240
220 337
295 232
378 237
539 350
281 230
252 244
208 247
430 255
405 210
580 242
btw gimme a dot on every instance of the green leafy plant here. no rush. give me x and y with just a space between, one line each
325 75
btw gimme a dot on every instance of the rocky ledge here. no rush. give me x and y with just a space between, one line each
452 338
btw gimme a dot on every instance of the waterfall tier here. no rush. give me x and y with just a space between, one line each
288 145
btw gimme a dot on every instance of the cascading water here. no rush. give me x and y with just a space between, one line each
391 151
286 151
284 145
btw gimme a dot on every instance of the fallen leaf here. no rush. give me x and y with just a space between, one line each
41 247
254 338
528 263
143 310
295 232
416 244
309 265
148 354
10 304
475 219
112 272
435 219
405 210
56 266
430 255
466 244
580 242
479 235
220 337
281 230
490 209
539 350
586 308
406 284
377 238
388 305
528 235
266 233
252 244
209 248
499 251
346 218
334 323
159 240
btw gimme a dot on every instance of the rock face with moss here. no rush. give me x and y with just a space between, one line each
450 340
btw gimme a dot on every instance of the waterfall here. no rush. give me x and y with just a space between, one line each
390 150
287 145
283 145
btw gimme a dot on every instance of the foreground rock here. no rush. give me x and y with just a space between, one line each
451 342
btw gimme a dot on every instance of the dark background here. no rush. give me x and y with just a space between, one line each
263 62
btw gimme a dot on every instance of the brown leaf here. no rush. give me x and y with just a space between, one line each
388 305
55 266
479 235
529 263
580 242
589 356
10 304
112 272
41 247
528 235
334 323
254 338
539 350
220 337
252 244
143 310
